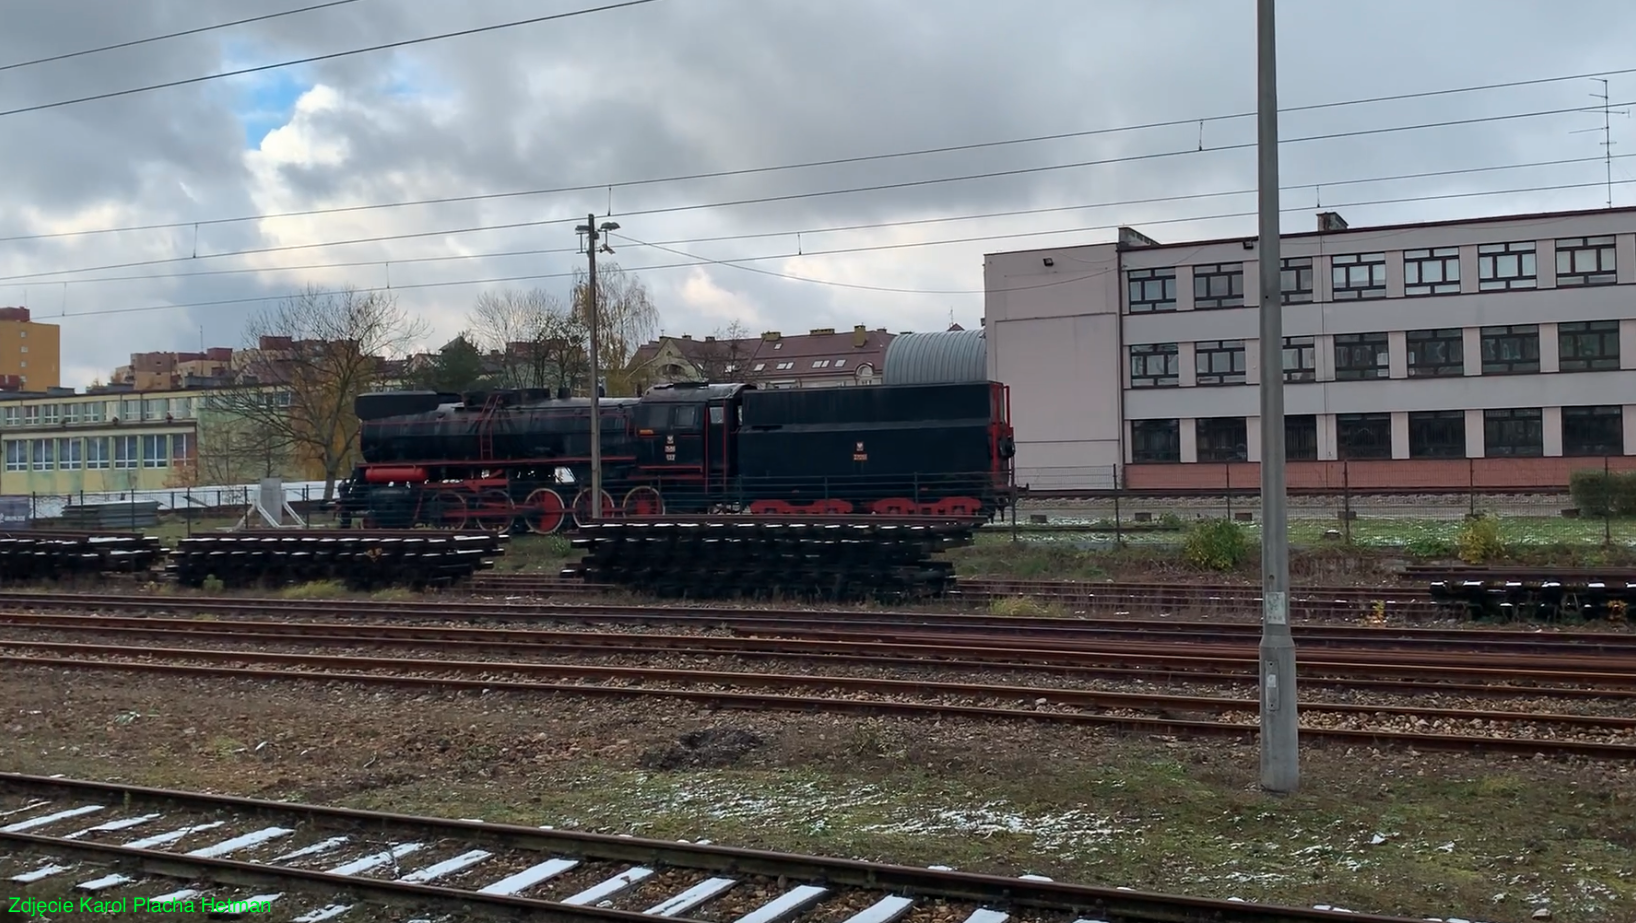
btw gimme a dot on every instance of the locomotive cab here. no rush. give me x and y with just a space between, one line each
685 436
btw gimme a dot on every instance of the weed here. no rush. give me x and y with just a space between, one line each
1023 606
317 589
213 584
1216 544
1480 540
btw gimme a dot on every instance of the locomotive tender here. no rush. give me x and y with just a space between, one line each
502 459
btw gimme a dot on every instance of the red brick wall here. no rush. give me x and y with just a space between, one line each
1427 473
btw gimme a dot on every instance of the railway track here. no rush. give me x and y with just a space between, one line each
842 623
1597 737
321 863
1405 602
1539 676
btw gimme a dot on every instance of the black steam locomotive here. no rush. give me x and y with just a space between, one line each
502 459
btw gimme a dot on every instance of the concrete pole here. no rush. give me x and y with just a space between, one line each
596 373
1280 762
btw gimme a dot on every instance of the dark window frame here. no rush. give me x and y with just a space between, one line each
1221 439
1569 250
1144 280
1508 267
1145 434
1419 282
1381 422
1449 342
1437 434
1345 272
1204 372
1204 278
1520 340
1502 427
1304 348
1580 436
1348 346
1571 337
1301 437
1170 375
1297 280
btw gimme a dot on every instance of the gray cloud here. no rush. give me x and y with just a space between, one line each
685 86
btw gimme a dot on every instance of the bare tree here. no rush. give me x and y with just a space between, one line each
626 316
307 362
727 357
540 344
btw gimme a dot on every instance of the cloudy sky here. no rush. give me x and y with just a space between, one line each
628 100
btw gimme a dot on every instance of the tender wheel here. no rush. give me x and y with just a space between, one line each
582 506
546 511
644 501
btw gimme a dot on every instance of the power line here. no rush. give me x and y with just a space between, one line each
170 35
909 222
734 263
880 187
327 57
838 161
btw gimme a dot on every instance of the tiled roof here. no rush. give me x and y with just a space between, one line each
818 353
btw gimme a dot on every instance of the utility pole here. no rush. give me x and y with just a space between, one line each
593 233
1280 761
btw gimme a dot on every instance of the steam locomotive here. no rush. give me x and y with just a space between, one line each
513 459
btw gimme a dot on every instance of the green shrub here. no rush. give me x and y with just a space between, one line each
1480 540
1216 544
1603 493
1429 547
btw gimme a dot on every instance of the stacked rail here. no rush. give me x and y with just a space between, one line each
362 560
833 558
34 556
1531 593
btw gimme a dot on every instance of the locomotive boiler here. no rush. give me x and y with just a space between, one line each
515 459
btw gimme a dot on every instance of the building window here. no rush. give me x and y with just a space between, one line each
1301 438
16 455
45 454
1221 439
12 416
1363 435
1156 441
1437 434
125 451
1358 276
1502 267
1519 431
1585 261
52 414
1151 290
1436 353
181 444
1155 365
1431 272
1219 285
68 454
1219 362
155 452
1300 359
1295 280
1511 350
1593 430
96 452
1588 346
1361 355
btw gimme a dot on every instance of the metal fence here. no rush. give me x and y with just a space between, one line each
136 509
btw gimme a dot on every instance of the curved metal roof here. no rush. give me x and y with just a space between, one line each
941 357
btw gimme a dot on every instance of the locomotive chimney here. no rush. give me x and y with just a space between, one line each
860 336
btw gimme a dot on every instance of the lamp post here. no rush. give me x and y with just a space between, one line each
1280 766
593 233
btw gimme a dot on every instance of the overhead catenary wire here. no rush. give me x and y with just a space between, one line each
760 200
870 226
702 261
170 35
313 59
837 161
